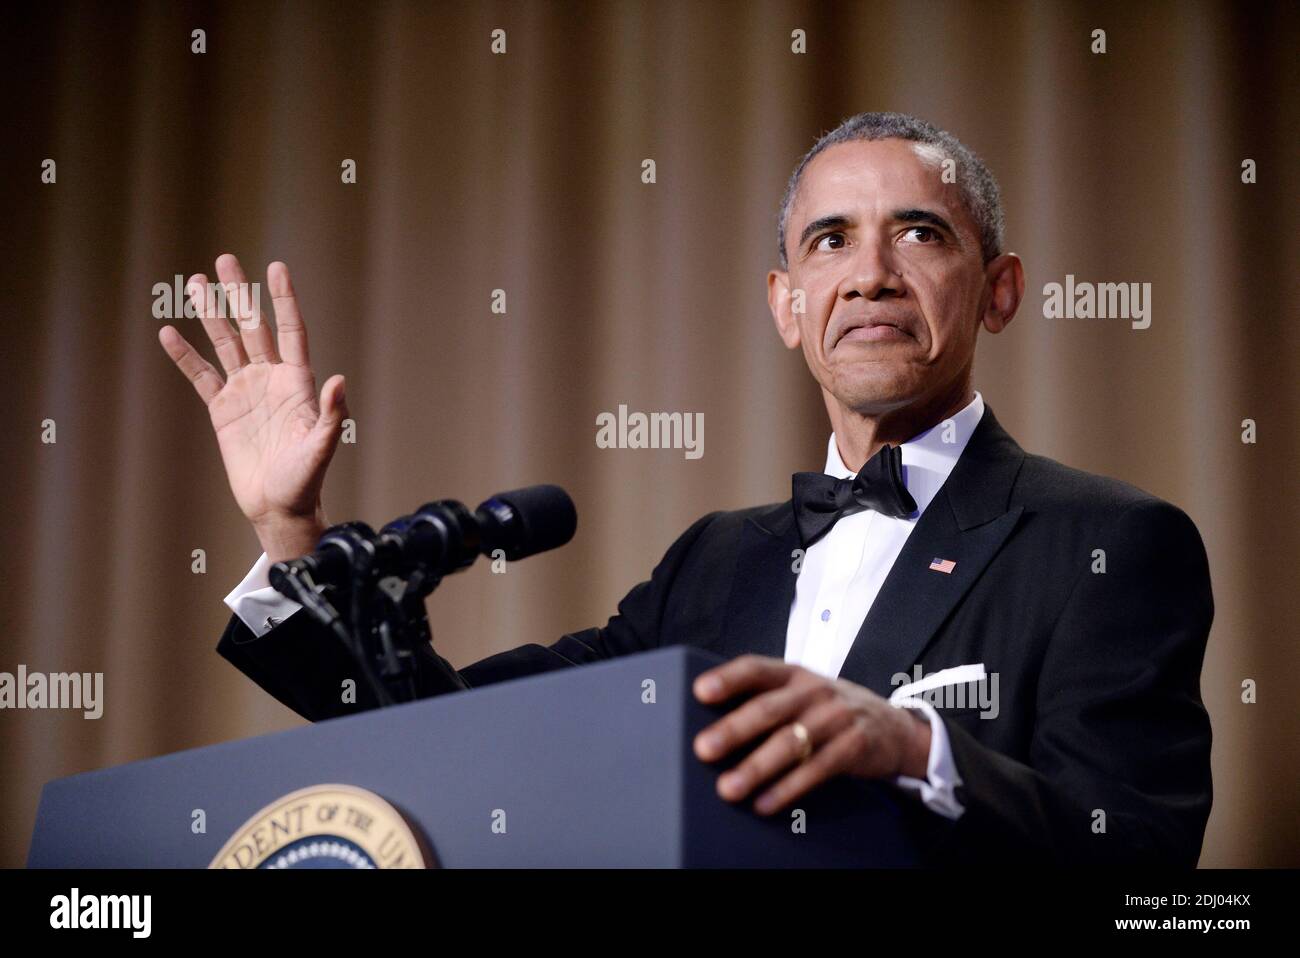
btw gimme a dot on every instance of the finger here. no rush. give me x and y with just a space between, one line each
290 331
742 674
760 714
207 382
824 720
230 352
244 305
783 747
333 405
827 762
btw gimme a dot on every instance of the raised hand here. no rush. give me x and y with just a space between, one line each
276 437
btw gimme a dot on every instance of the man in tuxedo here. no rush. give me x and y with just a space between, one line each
932 555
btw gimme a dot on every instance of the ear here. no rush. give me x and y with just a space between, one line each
1006 280
778 301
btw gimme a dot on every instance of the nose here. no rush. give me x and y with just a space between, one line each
871 274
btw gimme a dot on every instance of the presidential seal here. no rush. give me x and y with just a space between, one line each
326 826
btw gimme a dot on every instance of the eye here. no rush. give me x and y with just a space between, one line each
924 234
817 244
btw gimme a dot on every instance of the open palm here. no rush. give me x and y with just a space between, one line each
276 437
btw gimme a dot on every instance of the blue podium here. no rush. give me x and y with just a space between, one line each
590 766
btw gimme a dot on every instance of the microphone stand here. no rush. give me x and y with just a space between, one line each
382 580
404 634
386 630
308 594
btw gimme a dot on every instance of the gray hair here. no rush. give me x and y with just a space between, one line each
979 189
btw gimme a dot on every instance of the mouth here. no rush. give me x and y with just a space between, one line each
873 331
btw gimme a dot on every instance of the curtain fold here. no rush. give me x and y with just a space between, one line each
522 173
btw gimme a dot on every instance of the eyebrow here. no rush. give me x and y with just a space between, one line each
924 216
834 221
841 220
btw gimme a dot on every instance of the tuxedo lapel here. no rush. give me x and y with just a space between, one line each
965 524
758 609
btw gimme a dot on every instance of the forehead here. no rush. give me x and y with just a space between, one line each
872 176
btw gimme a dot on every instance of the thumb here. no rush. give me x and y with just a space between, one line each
333 404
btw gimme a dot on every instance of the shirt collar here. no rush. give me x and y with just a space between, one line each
928 457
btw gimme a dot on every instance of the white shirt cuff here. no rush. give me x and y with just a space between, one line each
258 605
938 789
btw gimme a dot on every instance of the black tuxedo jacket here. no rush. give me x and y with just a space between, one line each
1100 750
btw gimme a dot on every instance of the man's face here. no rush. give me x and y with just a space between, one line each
890 264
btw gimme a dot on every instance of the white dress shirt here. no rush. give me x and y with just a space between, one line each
840 577
843 571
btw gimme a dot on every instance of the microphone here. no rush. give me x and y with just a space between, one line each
444 537
438 539
380 580
527 521
342 548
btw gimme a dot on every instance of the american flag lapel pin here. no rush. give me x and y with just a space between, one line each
943 565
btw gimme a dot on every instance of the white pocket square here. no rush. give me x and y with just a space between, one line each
957 675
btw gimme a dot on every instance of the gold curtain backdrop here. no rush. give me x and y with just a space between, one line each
522 172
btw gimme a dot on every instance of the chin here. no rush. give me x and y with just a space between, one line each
876 392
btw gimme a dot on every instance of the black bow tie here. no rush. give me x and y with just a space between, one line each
820 500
